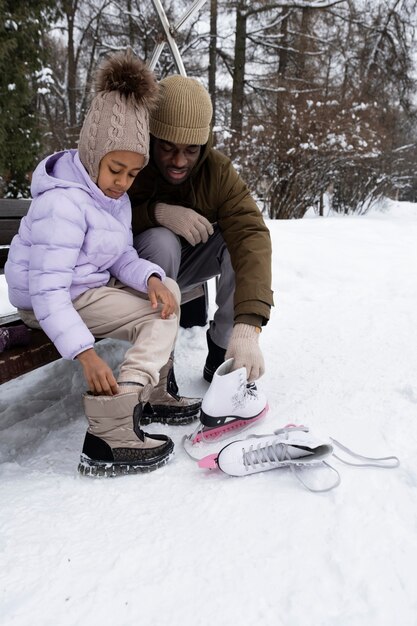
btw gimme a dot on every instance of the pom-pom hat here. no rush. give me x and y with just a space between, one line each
118 118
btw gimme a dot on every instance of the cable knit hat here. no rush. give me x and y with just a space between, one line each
118 118
184 111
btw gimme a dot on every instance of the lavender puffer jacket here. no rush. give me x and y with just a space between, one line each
74 238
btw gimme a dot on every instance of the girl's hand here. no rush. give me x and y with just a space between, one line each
99 377
157 292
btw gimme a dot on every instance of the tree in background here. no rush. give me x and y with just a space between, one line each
85 32
21 60
313 98
324 103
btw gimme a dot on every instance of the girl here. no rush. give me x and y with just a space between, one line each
72 270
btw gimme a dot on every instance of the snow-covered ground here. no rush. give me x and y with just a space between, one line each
182 546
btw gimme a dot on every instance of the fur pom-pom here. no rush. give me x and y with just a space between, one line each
127 74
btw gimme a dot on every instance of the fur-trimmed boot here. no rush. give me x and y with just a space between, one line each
114 442
165 405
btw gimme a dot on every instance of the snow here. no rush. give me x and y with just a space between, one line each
183 546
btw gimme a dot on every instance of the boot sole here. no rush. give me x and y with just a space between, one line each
107 469
163 414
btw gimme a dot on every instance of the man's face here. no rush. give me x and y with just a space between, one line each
175 160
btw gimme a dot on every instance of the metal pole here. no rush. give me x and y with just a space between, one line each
170 33
193 8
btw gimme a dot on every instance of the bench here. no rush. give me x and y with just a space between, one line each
40 351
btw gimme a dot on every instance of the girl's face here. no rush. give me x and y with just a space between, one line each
117 171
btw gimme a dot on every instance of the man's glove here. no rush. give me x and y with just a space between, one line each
244 349
184 222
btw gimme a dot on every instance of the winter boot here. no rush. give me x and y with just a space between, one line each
114 443
214 359
229 406
165 405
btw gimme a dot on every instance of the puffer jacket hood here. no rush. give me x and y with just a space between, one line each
73 238
64 170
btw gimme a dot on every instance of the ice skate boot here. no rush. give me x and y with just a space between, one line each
114 442
229 406
292 445
165 405
297 448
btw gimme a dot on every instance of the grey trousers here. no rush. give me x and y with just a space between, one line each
192 265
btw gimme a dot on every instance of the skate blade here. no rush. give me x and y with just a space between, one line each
208 435
203 443
97 469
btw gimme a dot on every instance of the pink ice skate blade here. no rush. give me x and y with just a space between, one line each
208 462
213 433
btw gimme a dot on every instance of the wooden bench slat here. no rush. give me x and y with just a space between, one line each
18 361
4 253
8 229
11 207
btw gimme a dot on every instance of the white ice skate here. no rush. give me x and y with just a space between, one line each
230 405
292 446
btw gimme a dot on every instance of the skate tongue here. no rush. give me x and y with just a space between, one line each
299 452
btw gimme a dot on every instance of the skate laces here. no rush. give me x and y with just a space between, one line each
270 453
251 391
265 454
387 462
247 391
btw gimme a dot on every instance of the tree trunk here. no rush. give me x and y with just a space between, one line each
213 56
282 61
130 24
238 90
70 11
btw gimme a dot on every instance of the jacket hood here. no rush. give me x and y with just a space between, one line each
204 154
65 170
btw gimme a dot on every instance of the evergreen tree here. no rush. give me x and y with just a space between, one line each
21 26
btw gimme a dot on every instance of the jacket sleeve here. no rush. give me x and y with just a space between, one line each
248 241
58 232
133 271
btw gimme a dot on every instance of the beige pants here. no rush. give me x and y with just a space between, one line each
122 313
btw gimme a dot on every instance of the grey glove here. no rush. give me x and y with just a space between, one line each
184 222
244 349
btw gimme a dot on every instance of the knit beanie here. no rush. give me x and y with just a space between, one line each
184 111
118 118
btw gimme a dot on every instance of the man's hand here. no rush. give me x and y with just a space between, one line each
184 222
244 349
157 292
99 377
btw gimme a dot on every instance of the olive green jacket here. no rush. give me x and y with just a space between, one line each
215 190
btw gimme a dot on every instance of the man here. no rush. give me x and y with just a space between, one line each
194 216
